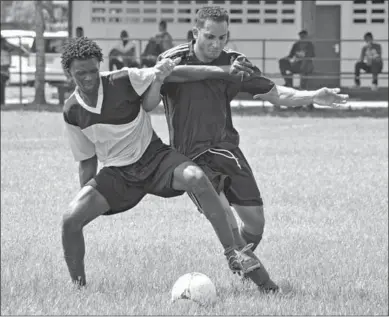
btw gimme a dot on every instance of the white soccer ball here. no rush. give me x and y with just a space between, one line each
196 287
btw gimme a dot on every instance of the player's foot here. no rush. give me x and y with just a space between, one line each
261 278
243 261
374 87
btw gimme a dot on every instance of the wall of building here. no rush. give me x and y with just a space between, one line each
251 23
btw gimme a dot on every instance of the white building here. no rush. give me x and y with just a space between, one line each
264 30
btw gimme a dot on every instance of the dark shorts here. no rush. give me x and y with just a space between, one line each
124 187
233 176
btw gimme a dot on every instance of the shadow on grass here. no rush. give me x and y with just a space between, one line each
371 112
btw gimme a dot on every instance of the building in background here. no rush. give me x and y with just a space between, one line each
265 28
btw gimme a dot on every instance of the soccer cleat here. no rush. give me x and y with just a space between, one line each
243 261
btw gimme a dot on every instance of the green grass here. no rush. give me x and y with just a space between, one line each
325 187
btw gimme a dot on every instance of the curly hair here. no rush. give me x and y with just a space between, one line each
216 14
80 48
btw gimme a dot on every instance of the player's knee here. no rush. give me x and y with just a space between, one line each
70 221
255 220
194 177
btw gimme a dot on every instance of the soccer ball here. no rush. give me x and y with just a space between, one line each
196 287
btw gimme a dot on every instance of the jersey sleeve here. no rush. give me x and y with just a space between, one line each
82 148
256 84
141 78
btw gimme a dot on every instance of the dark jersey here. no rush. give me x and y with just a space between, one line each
199 113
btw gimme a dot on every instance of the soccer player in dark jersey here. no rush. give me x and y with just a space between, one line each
106 120
200 123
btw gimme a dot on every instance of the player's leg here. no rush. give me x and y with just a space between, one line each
108 193
189 177
173 174
86 206
243 194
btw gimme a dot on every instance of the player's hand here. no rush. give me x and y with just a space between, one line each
330 97
241 67
165 67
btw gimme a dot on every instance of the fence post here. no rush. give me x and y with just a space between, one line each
263 63
20 73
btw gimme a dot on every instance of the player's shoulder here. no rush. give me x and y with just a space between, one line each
115 75
70 108
176 51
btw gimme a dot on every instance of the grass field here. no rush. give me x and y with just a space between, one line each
325 187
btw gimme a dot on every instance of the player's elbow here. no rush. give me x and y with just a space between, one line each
272 96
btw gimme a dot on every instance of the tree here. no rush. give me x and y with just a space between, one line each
42 8
40 54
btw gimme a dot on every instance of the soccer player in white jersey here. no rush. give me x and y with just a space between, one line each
209 137
106 119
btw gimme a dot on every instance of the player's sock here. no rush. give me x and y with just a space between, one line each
74 251
255 239
214 211
238 238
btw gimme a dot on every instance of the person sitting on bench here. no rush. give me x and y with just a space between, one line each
299 61
370 61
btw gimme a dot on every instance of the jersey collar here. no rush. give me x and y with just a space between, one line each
100 98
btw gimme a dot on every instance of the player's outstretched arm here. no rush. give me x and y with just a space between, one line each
191 73
285 96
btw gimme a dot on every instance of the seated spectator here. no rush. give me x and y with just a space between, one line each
152 50
79 31
7 49
123 54
370 61
299 61
164 36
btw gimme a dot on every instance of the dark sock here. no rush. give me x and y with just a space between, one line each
241 243
250 238
214 211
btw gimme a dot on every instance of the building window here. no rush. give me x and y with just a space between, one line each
287 21
253 20
184 20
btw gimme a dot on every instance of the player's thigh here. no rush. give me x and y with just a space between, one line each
120 187
86 206
243 189
170 169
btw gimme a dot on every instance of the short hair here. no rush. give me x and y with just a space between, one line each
216 14
368 34
123 34
80 48
163 23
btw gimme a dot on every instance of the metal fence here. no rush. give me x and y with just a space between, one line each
265 53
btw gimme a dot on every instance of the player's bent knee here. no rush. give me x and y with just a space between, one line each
86 206
189 177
